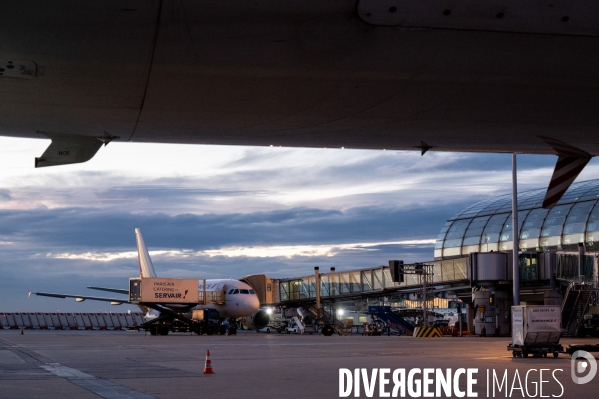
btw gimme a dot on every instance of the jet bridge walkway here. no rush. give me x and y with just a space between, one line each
369 283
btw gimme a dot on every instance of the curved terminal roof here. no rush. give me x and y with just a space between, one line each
487 225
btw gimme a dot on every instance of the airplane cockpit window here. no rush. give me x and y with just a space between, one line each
230 291
235 291
252 292
244 291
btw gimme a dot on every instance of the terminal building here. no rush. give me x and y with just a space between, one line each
559 258
487 225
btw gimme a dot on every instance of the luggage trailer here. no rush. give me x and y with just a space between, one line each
535 349
536 330
577 347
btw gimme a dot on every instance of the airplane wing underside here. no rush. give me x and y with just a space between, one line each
482 76
81 298
491 76
117 290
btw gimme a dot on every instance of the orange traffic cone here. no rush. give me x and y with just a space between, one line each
22 331
208 364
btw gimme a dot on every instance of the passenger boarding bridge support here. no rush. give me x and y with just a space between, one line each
425 273
318 305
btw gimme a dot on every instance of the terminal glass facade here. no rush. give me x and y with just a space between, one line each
487 225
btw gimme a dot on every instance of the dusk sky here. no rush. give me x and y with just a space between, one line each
215 212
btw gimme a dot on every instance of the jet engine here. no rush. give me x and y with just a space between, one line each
258 320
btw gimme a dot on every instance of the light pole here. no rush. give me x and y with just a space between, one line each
317 277
516 247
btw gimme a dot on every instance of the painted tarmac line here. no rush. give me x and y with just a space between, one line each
109 390
64 372
104 388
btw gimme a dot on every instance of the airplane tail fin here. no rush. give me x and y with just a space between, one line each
146 268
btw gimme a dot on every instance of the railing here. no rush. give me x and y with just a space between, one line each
338 326
576 302
567 267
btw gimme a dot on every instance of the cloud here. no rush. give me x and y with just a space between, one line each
97 256
275 251
217 179
90 229
5 195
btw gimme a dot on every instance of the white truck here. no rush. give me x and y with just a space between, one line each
294 326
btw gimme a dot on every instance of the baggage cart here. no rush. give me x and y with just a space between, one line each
536 330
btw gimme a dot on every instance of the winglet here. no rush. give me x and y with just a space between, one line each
424 147
146 268
570 163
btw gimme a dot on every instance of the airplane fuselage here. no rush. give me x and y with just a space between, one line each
240 299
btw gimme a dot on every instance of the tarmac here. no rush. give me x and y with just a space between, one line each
120 364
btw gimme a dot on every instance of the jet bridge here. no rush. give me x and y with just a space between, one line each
448 275
481 280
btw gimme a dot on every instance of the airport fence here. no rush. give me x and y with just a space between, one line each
70 321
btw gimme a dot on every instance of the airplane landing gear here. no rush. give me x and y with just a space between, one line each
178 320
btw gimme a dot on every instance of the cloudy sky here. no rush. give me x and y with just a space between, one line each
212 212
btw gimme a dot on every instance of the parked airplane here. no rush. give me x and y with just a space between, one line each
236 298
488 76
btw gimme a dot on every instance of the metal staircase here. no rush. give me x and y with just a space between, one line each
576 303
394 320
338 326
